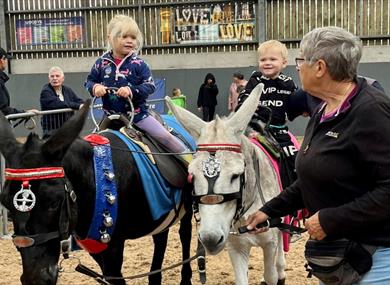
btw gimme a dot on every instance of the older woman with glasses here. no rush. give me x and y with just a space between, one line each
343 166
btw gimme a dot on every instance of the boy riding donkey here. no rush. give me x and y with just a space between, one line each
268 124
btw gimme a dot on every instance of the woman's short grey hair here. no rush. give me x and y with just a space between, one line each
56 68
340 49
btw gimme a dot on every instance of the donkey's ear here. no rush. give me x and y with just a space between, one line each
190 122
57 145
242 117
8 142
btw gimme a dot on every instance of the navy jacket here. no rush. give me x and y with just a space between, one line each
133 72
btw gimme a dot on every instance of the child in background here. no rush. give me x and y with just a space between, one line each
178 99
121 67
275 103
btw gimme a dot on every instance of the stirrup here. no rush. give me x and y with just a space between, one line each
132 133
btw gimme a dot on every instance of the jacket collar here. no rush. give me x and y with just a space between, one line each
3 76
360 84
108 56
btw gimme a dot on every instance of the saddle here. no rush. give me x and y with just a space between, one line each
270 144
268 147
171 167
264 137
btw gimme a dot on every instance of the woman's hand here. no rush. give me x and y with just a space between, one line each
254 219
35 111
99 90
314 228
125 92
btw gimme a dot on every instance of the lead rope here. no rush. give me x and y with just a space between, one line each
201 252
102 279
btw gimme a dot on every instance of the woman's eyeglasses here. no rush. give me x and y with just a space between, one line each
299 61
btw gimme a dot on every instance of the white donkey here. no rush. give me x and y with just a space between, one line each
233 178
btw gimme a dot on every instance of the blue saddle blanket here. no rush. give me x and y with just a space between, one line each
161 197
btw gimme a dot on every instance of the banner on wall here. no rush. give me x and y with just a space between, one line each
156 100
50 31
208 23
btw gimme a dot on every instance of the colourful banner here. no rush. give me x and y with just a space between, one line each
50 31
208 23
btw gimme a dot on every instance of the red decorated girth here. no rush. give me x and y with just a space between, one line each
34 173
216 147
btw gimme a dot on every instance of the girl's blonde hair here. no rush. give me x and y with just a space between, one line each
275 45
122 25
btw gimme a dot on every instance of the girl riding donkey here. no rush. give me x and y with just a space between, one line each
121 67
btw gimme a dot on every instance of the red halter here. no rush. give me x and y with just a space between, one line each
214 147
27 174
220 146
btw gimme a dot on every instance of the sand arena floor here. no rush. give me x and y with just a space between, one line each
138 255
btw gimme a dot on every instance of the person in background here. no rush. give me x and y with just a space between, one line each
5 101
207 97
55 95
178 99
121 67
275 104
343 166
236 87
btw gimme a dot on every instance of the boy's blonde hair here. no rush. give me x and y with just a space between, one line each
122 25
275 45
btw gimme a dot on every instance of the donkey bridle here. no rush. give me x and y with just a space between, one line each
212 198
25 175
